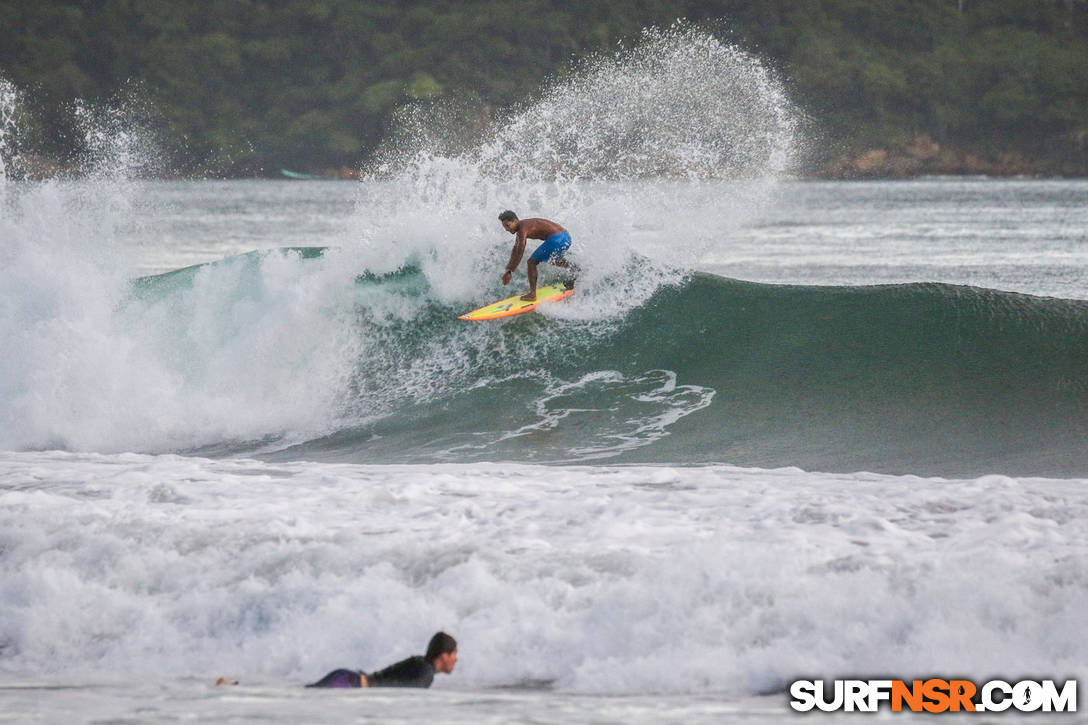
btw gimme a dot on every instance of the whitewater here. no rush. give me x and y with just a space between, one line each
784 430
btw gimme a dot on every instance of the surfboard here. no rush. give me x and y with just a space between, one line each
298 175
516 306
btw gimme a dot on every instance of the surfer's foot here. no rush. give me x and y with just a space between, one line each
569 284
529 297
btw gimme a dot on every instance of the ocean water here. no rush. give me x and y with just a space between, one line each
783 430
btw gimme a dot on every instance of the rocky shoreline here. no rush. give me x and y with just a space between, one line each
922 156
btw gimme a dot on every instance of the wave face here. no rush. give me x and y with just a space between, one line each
929 379
921 378
290 355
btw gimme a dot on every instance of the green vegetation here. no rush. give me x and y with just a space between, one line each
250 85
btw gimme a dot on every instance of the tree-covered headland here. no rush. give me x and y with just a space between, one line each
246 87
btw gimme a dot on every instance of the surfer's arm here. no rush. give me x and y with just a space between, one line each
515 256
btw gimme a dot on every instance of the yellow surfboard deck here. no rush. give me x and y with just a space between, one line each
515 305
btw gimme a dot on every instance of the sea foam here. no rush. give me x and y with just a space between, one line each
604 579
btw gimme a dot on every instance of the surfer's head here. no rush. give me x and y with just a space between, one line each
509 221
442 652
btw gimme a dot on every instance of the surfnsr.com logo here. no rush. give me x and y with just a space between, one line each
934 695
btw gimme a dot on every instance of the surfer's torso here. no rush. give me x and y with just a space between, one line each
537 228
412 672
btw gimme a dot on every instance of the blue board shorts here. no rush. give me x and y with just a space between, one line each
552 247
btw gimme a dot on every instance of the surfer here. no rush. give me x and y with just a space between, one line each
417 671
556 242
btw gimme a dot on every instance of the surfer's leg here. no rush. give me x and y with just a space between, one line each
562 242
550 251
339 678
575 270
531 269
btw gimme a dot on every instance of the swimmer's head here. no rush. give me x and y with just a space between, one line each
509 221
442 652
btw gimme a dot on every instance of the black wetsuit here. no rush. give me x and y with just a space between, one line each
412 672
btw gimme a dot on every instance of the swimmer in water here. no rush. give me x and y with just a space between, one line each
556 243
417 671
